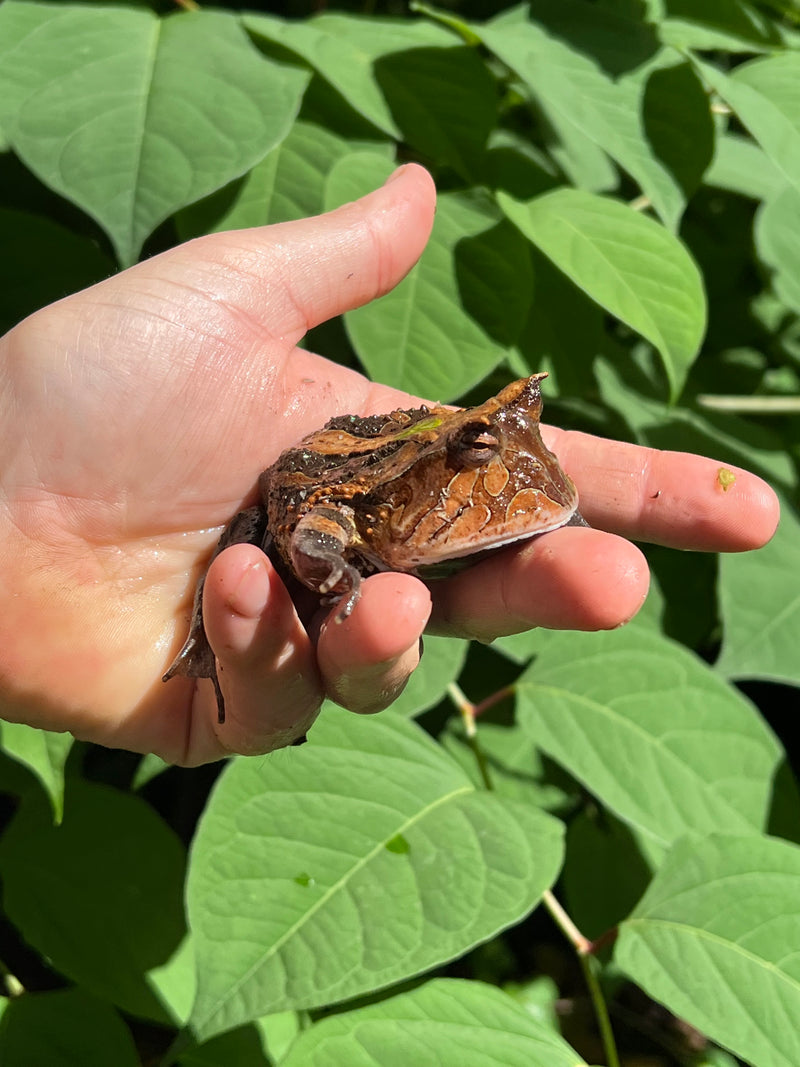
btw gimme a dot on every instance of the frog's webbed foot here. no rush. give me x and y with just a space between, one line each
196 659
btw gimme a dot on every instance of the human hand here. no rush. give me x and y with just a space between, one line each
135 418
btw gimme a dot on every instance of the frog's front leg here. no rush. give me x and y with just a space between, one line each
317 548
196 659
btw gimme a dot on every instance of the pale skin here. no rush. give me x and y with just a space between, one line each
135 418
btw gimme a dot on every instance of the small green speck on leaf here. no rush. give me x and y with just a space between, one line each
398 844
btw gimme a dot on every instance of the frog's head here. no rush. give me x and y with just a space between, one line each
482 477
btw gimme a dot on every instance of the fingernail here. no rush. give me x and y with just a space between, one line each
249 598
395 174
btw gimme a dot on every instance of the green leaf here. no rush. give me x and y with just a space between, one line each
656 735
132 117
243 1047
624 261
727 25
727 437
150 766
43 262
589 67
18 20
65 1027
174 981
99 895
765 96
514 763
295 897
777 237
605 872
444 101
761 608
441 663
447 1022
45 753
678 123
343 48
448 324
715 939
288 183
741 166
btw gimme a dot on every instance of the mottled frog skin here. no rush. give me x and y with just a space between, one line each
420 491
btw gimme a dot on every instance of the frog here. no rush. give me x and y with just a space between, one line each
421 491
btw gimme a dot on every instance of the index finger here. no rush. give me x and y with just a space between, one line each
675 499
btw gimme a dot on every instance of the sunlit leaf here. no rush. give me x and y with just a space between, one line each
651 731
627 263
318 873
448 1022
715 939
765 96
157 114
45 753
761 608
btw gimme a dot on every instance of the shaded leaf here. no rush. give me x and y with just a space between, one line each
447 1022
605 872
588 67
678 123
99 895
343 49
627 263
296 900
443 100
43 262
728 25
715 939
65 1027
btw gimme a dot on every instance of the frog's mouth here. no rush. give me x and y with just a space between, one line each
452 565
456 547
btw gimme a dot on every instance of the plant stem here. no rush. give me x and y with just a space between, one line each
589 965
754 405
584 947
11 984
468 710
581 944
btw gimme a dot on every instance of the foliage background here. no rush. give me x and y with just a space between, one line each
620 205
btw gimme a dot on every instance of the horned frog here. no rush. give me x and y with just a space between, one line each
422 491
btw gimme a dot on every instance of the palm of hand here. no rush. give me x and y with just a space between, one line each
135 417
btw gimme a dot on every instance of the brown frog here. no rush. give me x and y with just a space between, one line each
420 491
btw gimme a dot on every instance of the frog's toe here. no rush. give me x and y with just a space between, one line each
196 660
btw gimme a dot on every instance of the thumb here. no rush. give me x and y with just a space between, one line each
292 276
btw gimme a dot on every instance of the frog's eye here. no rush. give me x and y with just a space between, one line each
473 446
